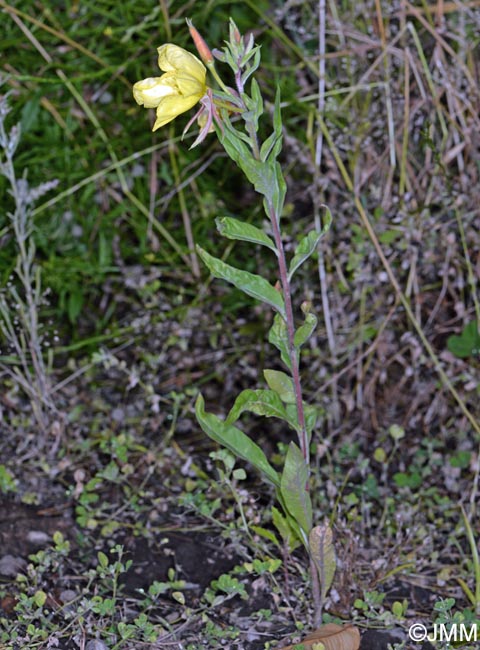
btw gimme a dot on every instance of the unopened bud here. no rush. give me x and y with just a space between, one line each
235 35
202 48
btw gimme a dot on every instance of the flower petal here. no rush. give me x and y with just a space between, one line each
172 58
170 107
188 85
151 91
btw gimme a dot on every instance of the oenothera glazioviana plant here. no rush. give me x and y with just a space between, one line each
234 114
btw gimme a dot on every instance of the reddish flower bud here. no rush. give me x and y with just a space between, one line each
202 48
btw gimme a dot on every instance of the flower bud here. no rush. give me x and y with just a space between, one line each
202 48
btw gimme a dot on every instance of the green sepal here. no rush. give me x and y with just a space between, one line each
308 245
252 284
294 488
236 229
235 441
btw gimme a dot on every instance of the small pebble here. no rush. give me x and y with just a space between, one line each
95 644
38 537
12 565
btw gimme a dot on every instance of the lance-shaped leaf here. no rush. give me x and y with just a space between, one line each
305 331
253 285
308 245
273 144
279 189
235 441
260 402
323 554
278 337
294 488
235 229
262 175
289 531
311 416
310 412
282 384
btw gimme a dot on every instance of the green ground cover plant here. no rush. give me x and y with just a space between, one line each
114 533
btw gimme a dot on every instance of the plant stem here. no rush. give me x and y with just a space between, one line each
287 297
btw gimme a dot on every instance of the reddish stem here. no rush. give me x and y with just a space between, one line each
282 267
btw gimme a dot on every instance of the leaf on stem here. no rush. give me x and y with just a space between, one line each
279 190
308 245
305 331
260 402
251 284
323 554
235 441
266 177
278 337
273 144
294 488
236 229
288 531
282 384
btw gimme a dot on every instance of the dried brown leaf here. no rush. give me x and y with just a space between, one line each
330 637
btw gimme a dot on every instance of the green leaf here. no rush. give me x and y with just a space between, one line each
39 598
102 559
260 402
310 412
305 331
311 416
273 144
265 533
268 146
323 554
278 337
287 529
277 114
235 229
251 284
308 245
257 100
294 488
282 384
278 189
236 441
265 176
260 174
467 344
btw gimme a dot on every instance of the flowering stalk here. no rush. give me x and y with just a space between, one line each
283 397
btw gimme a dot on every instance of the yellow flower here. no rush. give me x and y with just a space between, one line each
176 91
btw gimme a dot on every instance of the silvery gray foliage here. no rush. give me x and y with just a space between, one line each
22 297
